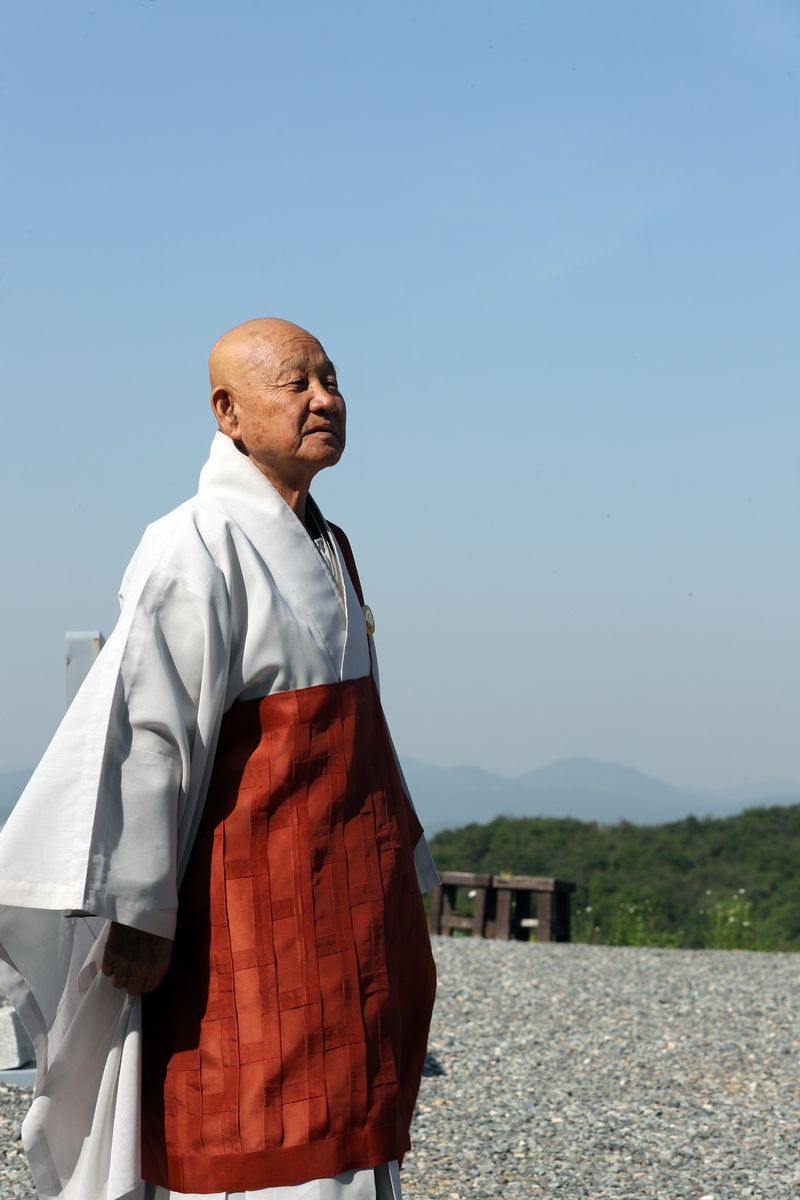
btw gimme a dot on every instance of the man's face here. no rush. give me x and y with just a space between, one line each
290 414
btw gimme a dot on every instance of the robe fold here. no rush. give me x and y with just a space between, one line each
226 601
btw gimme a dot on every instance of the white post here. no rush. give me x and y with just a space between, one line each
82 650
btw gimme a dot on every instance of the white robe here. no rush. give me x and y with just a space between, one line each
227 598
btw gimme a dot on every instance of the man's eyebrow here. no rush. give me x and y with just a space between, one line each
301 363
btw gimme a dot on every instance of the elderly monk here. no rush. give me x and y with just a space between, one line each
212 924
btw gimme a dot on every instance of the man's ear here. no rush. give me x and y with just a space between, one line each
223 407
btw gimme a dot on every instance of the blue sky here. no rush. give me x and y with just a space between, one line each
554 249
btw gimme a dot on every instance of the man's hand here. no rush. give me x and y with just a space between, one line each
135 960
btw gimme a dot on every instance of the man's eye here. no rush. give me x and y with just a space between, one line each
332 385
299 385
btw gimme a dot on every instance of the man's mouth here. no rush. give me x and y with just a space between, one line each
323 429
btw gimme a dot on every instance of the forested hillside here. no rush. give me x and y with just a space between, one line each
728 882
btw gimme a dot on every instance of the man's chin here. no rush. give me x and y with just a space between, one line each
330 459
322 437
325 454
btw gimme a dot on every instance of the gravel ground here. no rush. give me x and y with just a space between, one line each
15 1178
602 1071
589 1071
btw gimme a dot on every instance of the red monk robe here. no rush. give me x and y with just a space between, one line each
287 1040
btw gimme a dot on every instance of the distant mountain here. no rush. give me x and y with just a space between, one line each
448 797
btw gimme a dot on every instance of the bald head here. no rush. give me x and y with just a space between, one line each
251 348
275 395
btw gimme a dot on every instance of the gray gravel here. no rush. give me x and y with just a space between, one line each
15 1178
592 1071
605 1071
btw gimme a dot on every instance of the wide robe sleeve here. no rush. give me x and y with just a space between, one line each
105 827
106 821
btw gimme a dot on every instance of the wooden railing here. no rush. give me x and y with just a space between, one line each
502 906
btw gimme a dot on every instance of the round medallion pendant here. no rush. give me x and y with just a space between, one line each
369 620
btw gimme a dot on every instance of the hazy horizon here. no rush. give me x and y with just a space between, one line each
765 789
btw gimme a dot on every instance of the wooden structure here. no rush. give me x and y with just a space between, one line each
502 907
444 917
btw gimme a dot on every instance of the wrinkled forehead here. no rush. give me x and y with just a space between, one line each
298 354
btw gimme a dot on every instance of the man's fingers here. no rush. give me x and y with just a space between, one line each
135 960
117 972
135 983
152 982
108 966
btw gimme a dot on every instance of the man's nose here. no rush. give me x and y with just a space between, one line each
321 398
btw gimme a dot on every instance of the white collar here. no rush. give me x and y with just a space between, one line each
231 480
